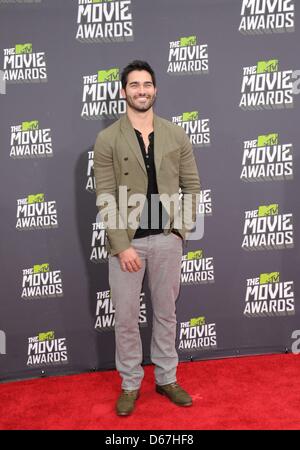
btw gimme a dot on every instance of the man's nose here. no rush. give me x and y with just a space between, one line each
141 90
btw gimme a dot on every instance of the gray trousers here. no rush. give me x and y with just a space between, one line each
161 257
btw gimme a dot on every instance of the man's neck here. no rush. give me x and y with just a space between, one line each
141 120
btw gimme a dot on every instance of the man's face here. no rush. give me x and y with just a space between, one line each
139 92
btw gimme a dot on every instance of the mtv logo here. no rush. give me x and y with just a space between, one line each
35 198
267 66
32 125
189 40
23 48
48 336
197 254
267 139
40 268
272 277
105 76
193 115
268 210
197 321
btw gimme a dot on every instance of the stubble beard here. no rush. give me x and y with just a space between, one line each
142 108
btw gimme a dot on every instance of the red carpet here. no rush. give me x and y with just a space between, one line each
257 392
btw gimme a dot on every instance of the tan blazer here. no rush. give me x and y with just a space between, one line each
118 161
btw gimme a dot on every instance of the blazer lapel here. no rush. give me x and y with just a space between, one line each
130 136
158 142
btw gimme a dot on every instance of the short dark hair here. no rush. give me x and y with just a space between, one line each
136 65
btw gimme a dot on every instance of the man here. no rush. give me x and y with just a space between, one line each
145 157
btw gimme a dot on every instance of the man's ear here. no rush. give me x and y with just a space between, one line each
123 93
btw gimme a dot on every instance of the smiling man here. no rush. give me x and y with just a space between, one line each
150 158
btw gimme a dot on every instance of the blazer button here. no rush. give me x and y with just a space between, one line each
125 159
126 173
128 189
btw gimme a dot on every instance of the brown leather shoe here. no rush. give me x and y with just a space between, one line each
126 402
175 393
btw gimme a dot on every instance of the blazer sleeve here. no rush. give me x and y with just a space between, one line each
106 192
189 182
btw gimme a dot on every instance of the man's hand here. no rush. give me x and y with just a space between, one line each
177 234
130 260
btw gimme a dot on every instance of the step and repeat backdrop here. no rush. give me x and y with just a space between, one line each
228 73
